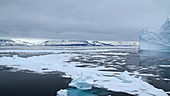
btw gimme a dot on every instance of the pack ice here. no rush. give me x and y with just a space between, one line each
160 39
83 78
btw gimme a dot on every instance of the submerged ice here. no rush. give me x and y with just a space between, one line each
160 39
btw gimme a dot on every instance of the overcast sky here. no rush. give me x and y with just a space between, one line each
80 19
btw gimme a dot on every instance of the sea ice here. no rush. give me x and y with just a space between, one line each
62 92
168 92
15 56
126 77
80 83
84 78
164 65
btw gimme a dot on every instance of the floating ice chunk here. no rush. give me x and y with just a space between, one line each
136 73
80 83
168 93
15 56
132 85
115 53
120 63
164 65
66 76
62 92
107 69
166 80
125 77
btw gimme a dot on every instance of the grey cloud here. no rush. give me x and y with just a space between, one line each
80 19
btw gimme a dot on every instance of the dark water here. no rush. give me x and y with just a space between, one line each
155 59
152 60
30 84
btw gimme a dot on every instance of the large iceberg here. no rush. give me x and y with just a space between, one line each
160 39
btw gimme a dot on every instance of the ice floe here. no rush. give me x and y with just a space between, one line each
83 78
168 92
15 56
62 92
115 53
80 83
164 65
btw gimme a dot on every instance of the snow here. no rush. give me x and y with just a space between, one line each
164 65
126 77
15 56
80 83
88 43
115 53
83 78
166 79
120 63
9 42
62 92
108 69
160 39
22 42
168 92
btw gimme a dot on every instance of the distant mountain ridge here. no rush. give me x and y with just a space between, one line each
74 43
9 42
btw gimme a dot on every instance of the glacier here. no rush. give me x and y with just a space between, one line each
156 39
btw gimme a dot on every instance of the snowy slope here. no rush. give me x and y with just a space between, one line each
9 42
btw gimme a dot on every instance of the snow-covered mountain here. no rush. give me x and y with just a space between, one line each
86 43
160 39
74 43
9 42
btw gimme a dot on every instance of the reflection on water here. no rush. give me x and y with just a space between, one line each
158 62
156 59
